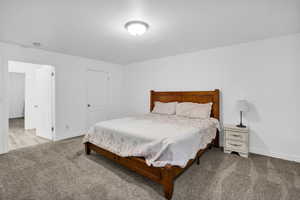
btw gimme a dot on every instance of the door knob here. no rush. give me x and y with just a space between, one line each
89 105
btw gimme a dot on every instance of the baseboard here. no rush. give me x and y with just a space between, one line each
72 135
264 152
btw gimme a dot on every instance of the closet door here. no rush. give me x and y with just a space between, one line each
97 96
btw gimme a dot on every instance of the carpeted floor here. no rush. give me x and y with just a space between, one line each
61 171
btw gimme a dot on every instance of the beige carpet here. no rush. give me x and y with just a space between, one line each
61 171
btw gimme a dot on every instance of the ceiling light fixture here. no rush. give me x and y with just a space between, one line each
136 27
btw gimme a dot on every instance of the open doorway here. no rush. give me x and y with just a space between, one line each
31 92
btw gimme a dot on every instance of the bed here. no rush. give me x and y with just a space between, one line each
156 146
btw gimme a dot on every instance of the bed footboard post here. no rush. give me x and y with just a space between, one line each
168 181
198 160
216 140
87 148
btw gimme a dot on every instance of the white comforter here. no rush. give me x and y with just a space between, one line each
160 139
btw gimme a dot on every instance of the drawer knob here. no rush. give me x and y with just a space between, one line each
236 145
234 135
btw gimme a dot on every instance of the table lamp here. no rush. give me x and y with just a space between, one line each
243 107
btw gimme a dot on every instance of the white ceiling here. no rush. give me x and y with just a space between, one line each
95 28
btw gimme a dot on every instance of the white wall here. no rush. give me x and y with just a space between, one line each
263 72
70 88
16 90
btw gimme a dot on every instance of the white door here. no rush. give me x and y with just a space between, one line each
45 102
97 96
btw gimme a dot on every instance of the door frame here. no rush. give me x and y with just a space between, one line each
86 92
6 103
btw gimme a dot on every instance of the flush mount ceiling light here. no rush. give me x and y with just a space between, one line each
136 27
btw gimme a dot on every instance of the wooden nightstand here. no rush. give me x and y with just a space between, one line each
236 140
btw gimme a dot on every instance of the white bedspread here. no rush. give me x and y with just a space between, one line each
160 139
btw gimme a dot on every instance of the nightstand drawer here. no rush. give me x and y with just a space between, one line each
232 135
234 145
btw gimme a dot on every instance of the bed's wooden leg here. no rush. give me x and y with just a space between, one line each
168 181
216 140
87 148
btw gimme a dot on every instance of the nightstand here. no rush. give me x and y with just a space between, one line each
236 140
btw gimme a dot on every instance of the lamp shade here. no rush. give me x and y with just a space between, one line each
243 105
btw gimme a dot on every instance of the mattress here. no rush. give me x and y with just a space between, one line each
160 139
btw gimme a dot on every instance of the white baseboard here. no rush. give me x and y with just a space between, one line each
70 135
265 152
275 154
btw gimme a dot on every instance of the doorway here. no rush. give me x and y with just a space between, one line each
31 92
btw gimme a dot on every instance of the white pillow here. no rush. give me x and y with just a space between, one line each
194 110
164 108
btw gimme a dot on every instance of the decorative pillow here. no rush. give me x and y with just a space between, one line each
194 110
164 108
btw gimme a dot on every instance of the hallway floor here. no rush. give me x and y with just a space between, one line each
19 137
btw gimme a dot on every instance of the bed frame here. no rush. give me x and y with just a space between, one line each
165 175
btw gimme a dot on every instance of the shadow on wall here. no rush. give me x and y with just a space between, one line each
260 145
253 114
221 132
253 117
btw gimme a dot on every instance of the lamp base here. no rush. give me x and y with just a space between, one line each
241 126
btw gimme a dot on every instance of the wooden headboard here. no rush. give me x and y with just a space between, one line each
193 96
